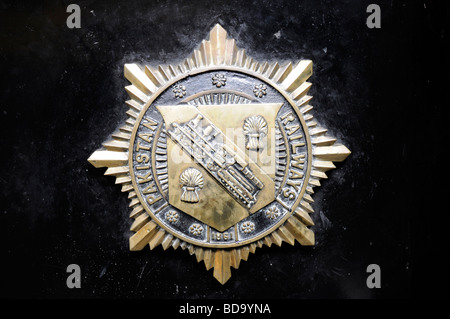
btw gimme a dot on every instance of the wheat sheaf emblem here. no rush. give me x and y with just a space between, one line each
191 180
255 129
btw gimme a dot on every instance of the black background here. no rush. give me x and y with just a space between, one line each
376 90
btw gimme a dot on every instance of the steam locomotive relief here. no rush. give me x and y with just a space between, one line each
204 142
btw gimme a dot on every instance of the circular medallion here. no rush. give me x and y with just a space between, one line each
225 151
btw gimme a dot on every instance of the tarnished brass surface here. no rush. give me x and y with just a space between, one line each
217 207
220 154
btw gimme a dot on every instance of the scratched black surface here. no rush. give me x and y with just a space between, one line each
62 95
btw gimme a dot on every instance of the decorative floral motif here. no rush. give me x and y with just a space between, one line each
219 80
272 213
172 216
196 229
179 90
260 90
247 227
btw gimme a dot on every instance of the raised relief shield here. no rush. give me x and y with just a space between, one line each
237 181
220 154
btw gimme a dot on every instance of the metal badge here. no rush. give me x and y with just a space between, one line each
220 154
